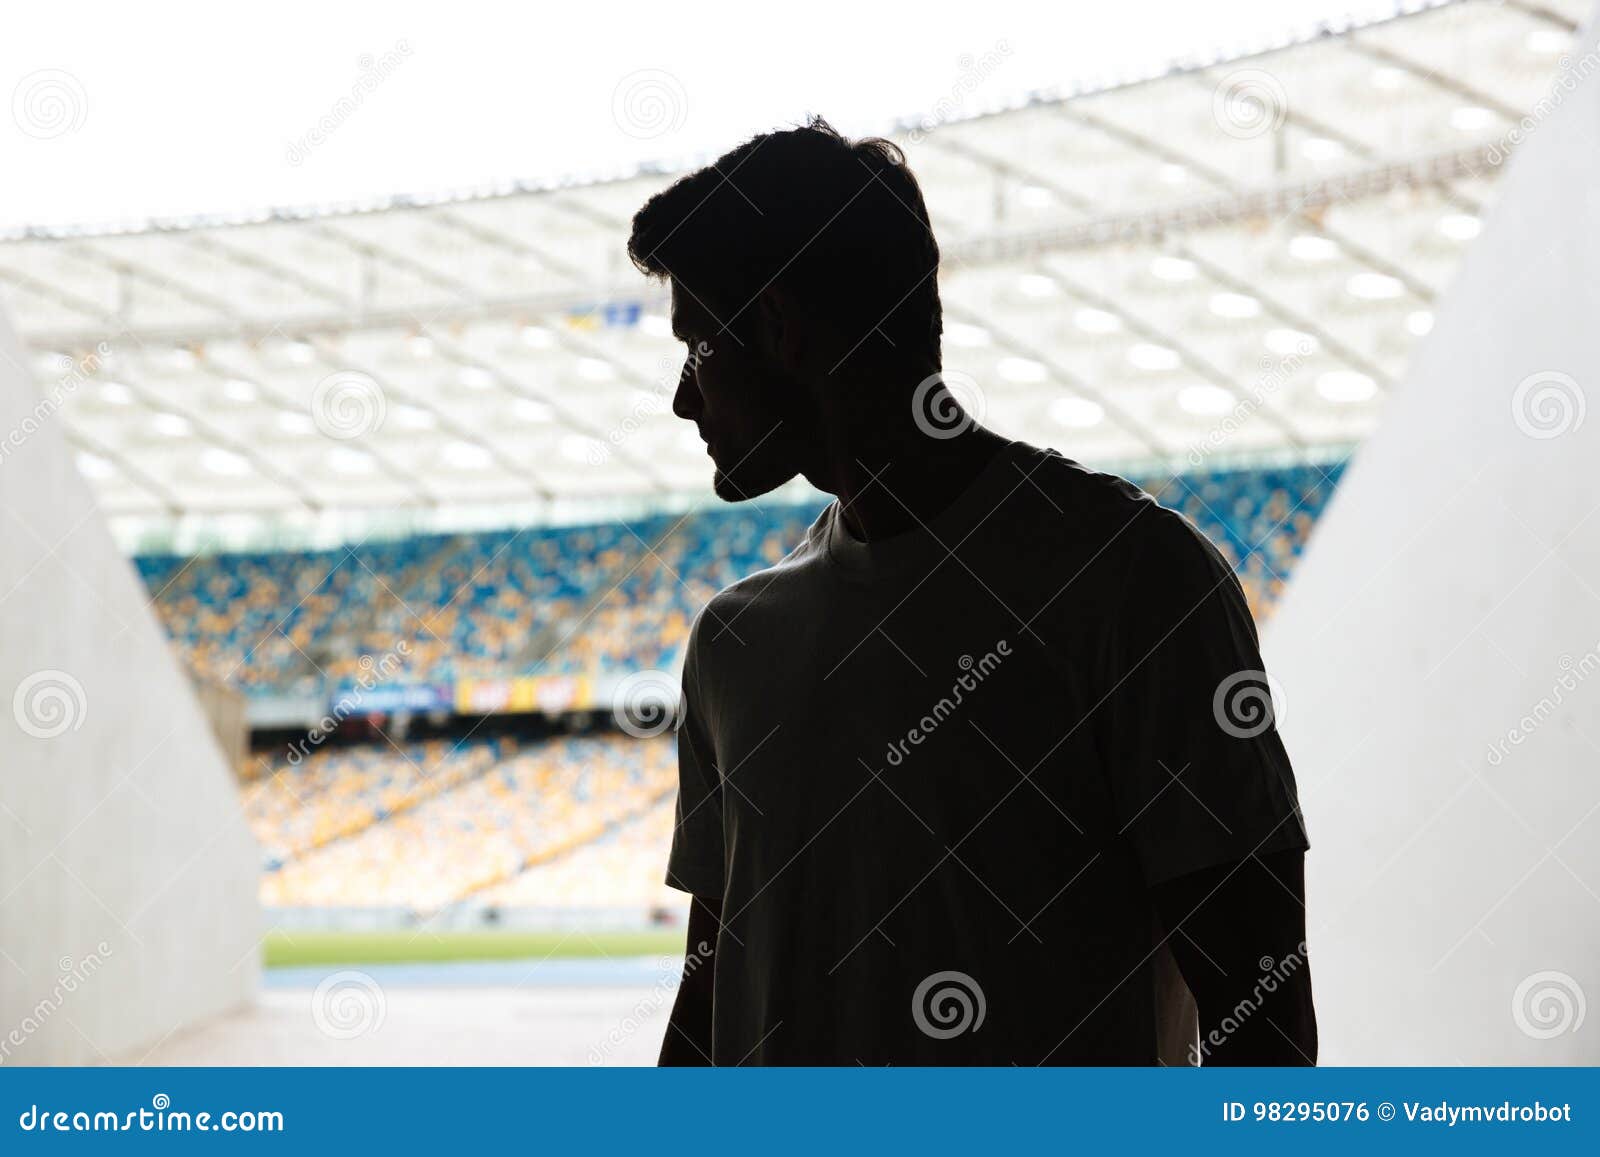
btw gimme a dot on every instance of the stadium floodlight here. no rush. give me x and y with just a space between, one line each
1022 370
1310 247
348 461
1146 355
1460 226
1321 149
171 425
1471 119
962 334
1375 286
218 461
1206 400
94 466
1346 386
1097 321
1237 306
530 410
1079 413
1420 322
1285 342
239 390
1037 285
1174 269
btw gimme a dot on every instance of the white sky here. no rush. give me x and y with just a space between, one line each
175 108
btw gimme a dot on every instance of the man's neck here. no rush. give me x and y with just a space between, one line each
889 485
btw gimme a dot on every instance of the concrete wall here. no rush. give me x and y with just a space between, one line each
127 875
1439 656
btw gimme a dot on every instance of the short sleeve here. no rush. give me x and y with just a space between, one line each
696 863
1199 776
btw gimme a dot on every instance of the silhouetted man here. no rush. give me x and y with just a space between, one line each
964 773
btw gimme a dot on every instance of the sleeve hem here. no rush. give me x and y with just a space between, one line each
1160 870
696 879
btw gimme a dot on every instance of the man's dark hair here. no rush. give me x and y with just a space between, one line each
839 224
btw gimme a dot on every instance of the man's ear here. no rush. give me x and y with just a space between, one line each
782 327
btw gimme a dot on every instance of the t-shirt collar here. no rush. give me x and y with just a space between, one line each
930 542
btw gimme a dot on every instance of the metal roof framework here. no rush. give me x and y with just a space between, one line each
1231 260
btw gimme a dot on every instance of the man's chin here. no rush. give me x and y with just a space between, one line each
742 488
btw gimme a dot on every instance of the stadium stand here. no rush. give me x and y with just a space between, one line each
569 822
479 604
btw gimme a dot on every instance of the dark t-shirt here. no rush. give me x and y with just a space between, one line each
932 778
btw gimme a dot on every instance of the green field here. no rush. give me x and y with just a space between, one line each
291 949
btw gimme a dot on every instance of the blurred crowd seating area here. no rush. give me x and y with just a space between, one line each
591 600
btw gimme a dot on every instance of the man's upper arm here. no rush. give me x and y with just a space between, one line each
696 864
1198 774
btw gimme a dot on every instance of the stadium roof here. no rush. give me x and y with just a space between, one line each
1233 259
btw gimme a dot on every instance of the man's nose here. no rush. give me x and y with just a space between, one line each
686 401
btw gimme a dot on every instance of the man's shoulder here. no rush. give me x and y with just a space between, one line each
776 586
1110 528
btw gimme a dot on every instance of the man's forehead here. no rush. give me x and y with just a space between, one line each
688 315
